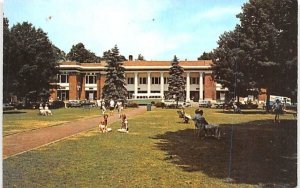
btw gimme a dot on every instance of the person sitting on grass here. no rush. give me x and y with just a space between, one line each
103 125
124 124
186 117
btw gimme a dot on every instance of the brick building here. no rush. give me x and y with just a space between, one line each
145 79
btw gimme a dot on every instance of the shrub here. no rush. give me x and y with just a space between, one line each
57 104
152 102
132 105
160 104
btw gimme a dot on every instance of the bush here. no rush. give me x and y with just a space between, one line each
132 105
57 104
152 102
160 105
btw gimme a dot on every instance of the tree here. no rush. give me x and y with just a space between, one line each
269 25
176 81
206 56
7 48
59 54
114 86
231 64
140 57
31 64
80 54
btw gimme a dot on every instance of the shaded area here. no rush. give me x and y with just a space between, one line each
262 152
242 112
14 112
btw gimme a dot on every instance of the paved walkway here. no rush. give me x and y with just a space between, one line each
22 142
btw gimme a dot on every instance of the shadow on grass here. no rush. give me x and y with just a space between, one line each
14 112
262 153
242 112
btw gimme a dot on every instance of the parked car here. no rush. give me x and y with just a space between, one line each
172 103
73 104
219 104
8 106
205 104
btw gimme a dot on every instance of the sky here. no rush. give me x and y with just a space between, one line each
157 29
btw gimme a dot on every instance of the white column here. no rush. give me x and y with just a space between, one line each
135 85
162 85
187 87
149 85
201 85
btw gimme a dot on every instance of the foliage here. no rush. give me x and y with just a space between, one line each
114 86
159 104
261 51
141 58
230 64
176 81
30 63
206 56
57 104
80 54
132 105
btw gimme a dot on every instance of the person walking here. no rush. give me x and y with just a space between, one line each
119 107
277 109
102 106
111 106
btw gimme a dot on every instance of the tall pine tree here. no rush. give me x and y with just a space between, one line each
176 81
114 86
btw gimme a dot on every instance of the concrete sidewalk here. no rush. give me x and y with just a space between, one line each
26 141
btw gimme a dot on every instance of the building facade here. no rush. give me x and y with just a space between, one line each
144 79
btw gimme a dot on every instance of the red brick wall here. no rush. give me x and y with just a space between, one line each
209 87
72 86
53 92
81 77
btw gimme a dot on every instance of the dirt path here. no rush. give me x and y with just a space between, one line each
22 142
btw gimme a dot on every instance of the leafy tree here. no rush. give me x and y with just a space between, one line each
80 54
114 86
176 81
206 56
231 64
30 62
59 54
140 57
268 26
7 48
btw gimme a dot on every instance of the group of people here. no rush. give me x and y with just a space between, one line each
44 111
201 125
112 106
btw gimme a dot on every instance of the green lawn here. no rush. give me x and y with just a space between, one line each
23 120
160 151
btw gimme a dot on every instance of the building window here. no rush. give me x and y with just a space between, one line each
91 95
130 80
155 80
194 80
90 79
166 80
155 91
63 78
63 95
143 80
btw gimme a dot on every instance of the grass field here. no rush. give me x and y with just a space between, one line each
160 151
23 120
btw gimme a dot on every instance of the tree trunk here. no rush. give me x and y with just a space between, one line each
268 100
